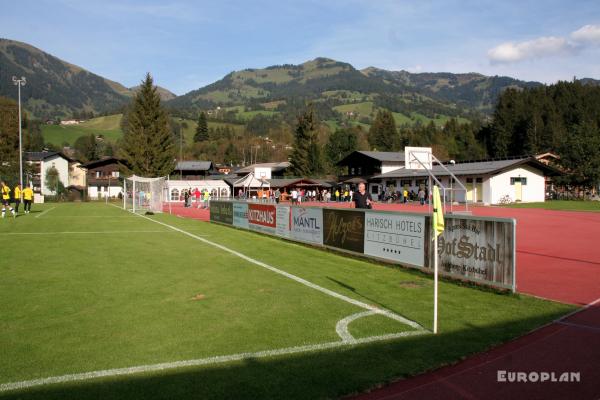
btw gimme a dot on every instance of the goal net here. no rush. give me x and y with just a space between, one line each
143 194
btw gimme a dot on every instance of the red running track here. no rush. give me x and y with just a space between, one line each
558 258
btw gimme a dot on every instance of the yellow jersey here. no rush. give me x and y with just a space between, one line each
17 193
27 194
5 193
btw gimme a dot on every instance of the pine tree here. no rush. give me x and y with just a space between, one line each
383 135
306 156
9 140
32 137
148 147
202 129
87 147
580 155
341 143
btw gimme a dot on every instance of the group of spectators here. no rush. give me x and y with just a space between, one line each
404 196
298 195
340 194
201 197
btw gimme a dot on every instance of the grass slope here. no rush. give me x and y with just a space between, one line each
110 128
107 126
82 301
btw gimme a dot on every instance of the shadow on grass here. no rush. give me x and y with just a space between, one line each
370 300
325 374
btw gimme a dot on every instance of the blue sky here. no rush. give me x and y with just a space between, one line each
188 44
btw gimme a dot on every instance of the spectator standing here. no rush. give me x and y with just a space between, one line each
197 196
362 199
277 195
206 199
422 196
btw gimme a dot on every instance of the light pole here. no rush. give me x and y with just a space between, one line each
180 149
19 83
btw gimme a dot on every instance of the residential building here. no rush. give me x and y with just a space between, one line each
192 170
362 165
520 179
39 162
103 178
77 174
265 170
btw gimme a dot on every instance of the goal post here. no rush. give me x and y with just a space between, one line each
143 194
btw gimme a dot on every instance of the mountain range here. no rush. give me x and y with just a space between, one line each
58 88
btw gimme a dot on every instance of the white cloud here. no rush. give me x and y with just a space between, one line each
588 34
548 46
511 52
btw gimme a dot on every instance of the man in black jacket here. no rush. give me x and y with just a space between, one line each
361 198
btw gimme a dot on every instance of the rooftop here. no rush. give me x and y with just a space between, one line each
382 156
42 155
193 166
275 166
470 168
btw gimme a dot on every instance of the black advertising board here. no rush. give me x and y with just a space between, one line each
344 229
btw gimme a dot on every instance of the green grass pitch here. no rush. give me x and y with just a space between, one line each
561 205
89 287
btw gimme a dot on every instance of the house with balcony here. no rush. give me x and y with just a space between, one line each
104 178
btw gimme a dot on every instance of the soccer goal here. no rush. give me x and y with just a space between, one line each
143 194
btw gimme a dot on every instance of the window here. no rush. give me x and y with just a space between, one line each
479 180
224 192
351 171
98 174
115 174
375 189
469 180
174 195
514 180
359 170
406 182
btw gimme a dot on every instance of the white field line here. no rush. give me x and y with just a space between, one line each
44 212
329 292
199 362
342 326
88 216
577 311
80 233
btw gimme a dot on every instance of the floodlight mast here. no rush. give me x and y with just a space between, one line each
19 83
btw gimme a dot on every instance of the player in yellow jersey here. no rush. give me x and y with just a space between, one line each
18 193
27 199
6 199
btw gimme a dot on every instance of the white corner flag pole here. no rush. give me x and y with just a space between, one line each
437 226
435 282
